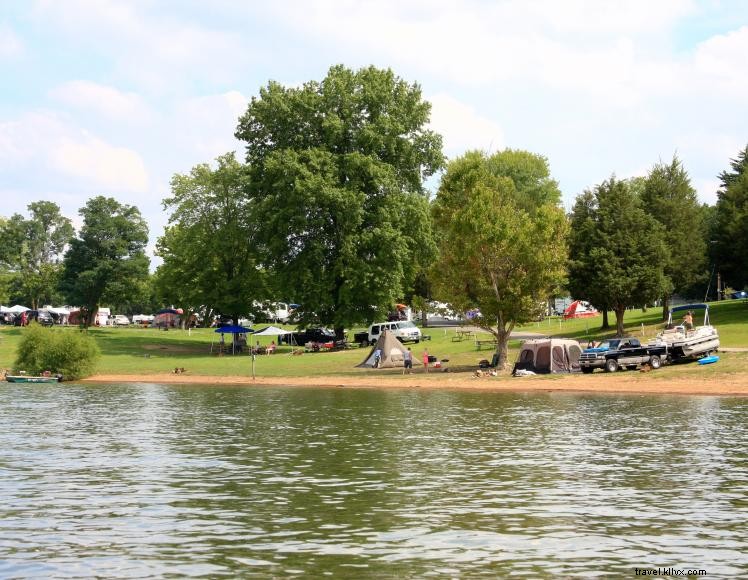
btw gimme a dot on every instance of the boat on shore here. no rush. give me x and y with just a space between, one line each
33 379
689 343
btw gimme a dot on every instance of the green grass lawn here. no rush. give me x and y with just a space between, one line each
136 350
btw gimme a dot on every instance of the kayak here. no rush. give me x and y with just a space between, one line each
708 360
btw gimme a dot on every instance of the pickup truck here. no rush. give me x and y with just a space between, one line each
617 353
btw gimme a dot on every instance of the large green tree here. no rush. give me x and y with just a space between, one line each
337 170
31 251
669 198
210 248
731 223
502 246
106 261
618 251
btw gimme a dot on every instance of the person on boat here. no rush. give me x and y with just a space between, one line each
688 321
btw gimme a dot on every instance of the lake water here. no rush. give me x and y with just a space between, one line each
125 481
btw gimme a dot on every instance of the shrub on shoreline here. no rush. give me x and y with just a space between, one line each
71 354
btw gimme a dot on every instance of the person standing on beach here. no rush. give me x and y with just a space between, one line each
426 360
377 358
407 361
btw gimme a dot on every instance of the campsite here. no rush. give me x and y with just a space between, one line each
136 351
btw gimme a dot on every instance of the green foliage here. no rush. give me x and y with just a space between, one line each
618 251
731 223
31 251
60 351
669 198
107 260
210 252
337 170
494 254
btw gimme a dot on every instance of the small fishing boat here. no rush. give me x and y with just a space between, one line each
33 379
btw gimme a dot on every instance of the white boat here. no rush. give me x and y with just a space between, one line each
685 343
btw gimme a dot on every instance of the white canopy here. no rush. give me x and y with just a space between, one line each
63 311
272 331
3 309
17 309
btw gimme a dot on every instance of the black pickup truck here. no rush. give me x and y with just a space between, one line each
617 353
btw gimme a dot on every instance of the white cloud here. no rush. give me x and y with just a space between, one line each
722 61
158 51
10 44
206 124
115 168
44 141
462 126
107 101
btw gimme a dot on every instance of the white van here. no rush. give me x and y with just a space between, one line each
404 330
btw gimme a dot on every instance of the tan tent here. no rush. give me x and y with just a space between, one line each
549 355
392 353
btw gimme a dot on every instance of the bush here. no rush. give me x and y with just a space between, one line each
70 354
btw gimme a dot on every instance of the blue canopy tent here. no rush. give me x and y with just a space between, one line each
232 329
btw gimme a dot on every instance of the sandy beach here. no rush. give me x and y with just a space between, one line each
624 382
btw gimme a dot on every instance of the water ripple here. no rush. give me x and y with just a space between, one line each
134 481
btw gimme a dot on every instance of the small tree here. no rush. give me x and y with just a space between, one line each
500 251
70 354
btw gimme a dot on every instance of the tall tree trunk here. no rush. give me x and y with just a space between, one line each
620 312
502 347
606 323
339 333
665 307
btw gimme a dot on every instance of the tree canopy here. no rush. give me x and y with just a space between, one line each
106 261
731 223
337 170
31 250
668 197
502 245
209 250
617 249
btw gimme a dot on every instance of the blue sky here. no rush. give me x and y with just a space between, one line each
114 97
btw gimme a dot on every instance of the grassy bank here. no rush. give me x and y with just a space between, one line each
135 350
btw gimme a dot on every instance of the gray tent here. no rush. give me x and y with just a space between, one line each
549 355
392 352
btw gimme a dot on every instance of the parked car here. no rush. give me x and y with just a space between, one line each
40 316
319 335
120 320
405 331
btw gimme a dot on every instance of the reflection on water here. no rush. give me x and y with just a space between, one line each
147 480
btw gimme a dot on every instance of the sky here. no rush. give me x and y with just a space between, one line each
114 97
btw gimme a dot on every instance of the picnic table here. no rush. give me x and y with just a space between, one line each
489 342
463 334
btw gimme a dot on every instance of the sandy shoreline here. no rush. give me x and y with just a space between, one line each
629 382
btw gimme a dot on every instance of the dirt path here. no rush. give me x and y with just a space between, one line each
629 382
